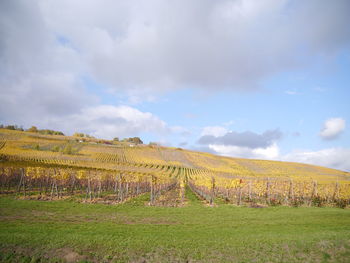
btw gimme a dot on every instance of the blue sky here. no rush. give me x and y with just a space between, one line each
256 79
296 102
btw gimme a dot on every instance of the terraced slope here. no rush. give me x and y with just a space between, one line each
93 164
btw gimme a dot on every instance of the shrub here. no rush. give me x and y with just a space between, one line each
56 148
341 203
33 129
318 201
77 134
10 127
297 202
275 202
68 149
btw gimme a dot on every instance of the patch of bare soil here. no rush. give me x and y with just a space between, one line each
171 198
69 255
66 254
108 200
254 205
42 197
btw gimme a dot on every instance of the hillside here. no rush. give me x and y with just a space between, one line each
207 174
45 149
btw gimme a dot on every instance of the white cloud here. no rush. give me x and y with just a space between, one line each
160 45
143 48
39 77
242 139
270 152
247 144
216 131
332 128
106 121
337 158
264 146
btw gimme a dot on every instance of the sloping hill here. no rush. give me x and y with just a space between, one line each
25 147
100 162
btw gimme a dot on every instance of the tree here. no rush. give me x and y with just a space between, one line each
68 149
58 133
56 148
135 140
50 132
10 127
116 139
33 129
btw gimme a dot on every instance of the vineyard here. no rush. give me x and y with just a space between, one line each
53 167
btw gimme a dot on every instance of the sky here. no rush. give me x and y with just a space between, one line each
264 79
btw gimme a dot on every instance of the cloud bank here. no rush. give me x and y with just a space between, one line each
337 158
143 48
109 121
161 45
245 139
217 139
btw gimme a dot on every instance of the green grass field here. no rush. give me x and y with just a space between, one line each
67 231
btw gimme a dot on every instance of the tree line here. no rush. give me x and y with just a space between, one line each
34 129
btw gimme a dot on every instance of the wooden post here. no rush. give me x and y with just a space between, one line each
291 190
47 183
3 181
212 191
336 191
24 181
56 188
20 181
313 192
120 192
41 187
99 188
132 189
73 186
250 190
268 190
9 181
52 188
89 187
239 195
314 189
127 190
152 191
116 184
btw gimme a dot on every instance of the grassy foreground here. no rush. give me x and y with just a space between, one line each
66 231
